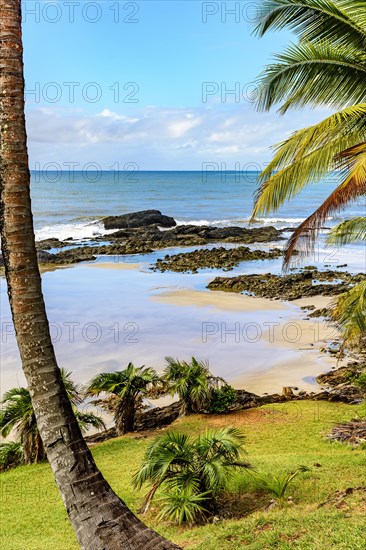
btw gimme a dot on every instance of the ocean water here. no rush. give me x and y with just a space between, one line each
71 203
103 316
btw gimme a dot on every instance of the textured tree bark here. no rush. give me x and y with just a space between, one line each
130 415
101 520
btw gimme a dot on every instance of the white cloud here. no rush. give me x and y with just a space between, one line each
158 138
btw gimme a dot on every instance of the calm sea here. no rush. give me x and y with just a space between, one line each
69 204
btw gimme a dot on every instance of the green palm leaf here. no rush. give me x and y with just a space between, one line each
349 311
353 163
313 74
343 20
128 386
348 231
308 156
193 382
189 466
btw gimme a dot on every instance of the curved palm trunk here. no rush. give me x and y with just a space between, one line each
101 520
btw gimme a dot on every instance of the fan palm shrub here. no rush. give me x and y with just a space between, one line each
191 471
18 414
128 387
326 67
192 382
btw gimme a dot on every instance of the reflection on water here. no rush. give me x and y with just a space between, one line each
103 318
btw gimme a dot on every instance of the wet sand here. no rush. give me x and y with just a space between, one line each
123 312
305 337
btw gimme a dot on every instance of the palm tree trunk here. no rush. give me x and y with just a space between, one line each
119 418
101 520
129 418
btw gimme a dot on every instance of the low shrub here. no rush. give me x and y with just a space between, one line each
221 399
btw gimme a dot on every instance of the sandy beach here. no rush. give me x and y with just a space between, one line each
113 312
305 337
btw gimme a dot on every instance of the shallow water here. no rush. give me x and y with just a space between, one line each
103 318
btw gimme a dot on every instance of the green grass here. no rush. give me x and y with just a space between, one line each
278 439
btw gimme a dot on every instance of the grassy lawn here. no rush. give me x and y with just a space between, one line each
278 439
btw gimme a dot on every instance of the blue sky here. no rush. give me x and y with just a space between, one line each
148 82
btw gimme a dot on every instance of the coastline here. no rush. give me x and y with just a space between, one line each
305 337
287 353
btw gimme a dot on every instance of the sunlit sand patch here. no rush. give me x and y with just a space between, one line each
219 300
114 265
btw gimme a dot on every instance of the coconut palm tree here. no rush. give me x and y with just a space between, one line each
100 518
327 67
18 414
193 382
192 471
129 386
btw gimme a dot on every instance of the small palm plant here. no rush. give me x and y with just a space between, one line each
193 382
129 386
192 471
276 485
11 455
18 414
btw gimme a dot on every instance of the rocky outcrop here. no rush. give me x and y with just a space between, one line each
155 418
138 219
143 240
158 417
342 375
213 258
190 235
47 244
67 257
289 287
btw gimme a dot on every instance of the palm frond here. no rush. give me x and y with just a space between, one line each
183 506
349 312
313 74
308 156
186 465
18 412
73 390
87 420
348 231
11 455
341 20
353 164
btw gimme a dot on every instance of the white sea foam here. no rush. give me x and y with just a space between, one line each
279 222
202 222
73 231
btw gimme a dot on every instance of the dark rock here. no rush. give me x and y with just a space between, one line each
138 219
342 375
46 244
195 235
152 419
158 417
289 287
322 312
101 436
212 258
45 257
